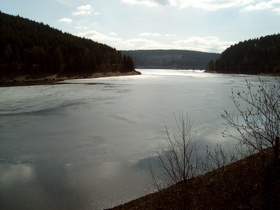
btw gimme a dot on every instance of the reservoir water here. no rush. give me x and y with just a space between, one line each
83 144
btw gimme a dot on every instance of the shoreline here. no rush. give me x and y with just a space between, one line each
260 74
51 79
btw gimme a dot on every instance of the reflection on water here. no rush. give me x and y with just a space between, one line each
81 146
49 186
26 186
18 173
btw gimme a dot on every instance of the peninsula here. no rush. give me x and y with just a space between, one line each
34 52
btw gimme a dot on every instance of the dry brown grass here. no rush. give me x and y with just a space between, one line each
250 183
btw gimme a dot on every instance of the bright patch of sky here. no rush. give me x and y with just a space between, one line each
202 25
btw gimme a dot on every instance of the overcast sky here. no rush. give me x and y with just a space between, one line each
203 25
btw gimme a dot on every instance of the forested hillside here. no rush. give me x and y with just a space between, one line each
254 56
171 59
36 49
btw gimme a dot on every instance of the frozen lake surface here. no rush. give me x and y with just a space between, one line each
82 144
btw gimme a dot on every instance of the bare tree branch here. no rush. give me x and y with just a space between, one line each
257 119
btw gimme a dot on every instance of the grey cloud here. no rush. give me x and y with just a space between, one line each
162 2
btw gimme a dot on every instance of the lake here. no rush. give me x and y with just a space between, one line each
84 144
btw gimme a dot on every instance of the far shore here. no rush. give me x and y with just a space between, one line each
261 74
51 79
27 80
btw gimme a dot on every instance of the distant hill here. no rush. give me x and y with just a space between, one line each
37 50
171 59
254 56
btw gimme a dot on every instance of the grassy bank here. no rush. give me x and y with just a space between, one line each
251 183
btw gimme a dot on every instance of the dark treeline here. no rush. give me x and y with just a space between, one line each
28 47
254 56
171 59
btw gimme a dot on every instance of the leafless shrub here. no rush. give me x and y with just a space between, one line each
257 127
257 119
177 160
218 157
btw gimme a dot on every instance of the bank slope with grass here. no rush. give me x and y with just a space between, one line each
251 183
32 50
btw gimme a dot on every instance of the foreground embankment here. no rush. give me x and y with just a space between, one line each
251 183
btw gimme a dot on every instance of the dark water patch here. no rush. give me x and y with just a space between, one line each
123 119
35 110
78 83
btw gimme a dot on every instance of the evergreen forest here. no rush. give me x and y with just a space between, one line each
37 50
171 59
254 56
